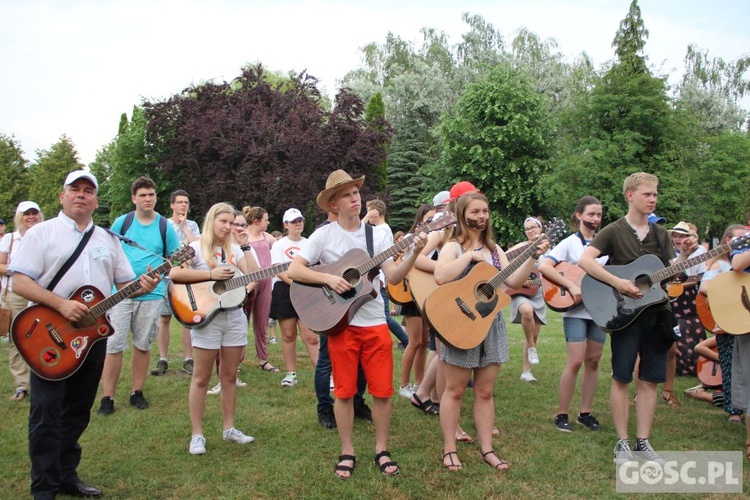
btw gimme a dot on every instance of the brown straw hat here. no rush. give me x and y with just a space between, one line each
336 180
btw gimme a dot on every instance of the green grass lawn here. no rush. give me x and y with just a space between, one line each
143 454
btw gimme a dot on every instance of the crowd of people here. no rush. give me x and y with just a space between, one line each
44 262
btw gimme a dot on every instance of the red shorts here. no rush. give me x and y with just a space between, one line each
370 345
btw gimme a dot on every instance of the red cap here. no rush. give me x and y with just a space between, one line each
461 188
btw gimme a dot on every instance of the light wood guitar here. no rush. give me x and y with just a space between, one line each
462 311
422 283
535 278
54 347
327 312
676 288
729 297
400 293
613 311
557 297
195 304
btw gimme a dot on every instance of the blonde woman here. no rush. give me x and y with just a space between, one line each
226 333
28 214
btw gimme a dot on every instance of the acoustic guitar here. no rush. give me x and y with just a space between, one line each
703 308
327 312
422 283
709 372
400 293
535 278
462 311
613 311
676 288
729 297
54 347
195 304
557 297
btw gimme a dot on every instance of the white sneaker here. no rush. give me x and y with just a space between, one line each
197 445
234 436
528 377
290 379
216 389
240 383
533 356
406 392
273 340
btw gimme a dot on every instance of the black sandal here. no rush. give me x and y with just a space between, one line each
268 367
345 468
501 465
426 406
385 465
458 466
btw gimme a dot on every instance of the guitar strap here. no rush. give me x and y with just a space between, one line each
71 260
368 238
664 258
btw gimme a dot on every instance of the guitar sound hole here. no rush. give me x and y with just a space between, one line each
643 283
352 276
485 291
219 287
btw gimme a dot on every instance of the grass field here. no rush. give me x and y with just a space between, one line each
143 454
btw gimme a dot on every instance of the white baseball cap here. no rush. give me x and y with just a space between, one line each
81 174
292 214
440 199
27 205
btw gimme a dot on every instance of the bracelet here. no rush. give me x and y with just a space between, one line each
245 248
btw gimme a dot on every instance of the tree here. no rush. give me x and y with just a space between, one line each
630 41
498 137
48 173
252 143
15 177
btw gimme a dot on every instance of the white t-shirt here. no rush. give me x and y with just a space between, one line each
698 268
570 250
330 242
284 251
200 264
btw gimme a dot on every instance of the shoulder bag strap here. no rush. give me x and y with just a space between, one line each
7 263
71 260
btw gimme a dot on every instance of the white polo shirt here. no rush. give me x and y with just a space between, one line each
46 246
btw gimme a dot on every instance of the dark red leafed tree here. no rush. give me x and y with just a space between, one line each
252 142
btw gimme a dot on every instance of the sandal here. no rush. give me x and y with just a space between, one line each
501 465
670 398
462 436
390 463
426 406
452 466
268 367
345 468
19 394
691 392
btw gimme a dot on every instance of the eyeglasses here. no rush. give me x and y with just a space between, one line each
527 229
239 225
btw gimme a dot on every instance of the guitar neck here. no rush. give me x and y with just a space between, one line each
514 264
102 307
512 254
667 272
258 275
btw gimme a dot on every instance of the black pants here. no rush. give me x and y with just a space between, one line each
60 412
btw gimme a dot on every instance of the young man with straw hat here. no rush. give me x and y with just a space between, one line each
366 339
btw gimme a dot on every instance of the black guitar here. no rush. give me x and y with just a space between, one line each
614 311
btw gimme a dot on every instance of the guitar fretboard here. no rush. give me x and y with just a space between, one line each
260 274
662 274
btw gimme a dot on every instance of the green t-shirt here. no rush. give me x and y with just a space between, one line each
620 242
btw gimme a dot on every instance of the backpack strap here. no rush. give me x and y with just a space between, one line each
162 229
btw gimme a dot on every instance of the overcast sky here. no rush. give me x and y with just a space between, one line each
73 67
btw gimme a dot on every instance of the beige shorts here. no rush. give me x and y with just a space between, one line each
227 329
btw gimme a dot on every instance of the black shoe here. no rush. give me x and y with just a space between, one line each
562 424
327 419
187 366
161 368
589 421
137 400
107 407
80 489
363 412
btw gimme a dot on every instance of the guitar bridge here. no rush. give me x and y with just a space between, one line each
191 297
465 309
56 338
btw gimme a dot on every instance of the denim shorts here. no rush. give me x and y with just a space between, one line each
579 329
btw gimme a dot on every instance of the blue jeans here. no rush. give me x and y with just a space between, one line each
393 325
323 380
